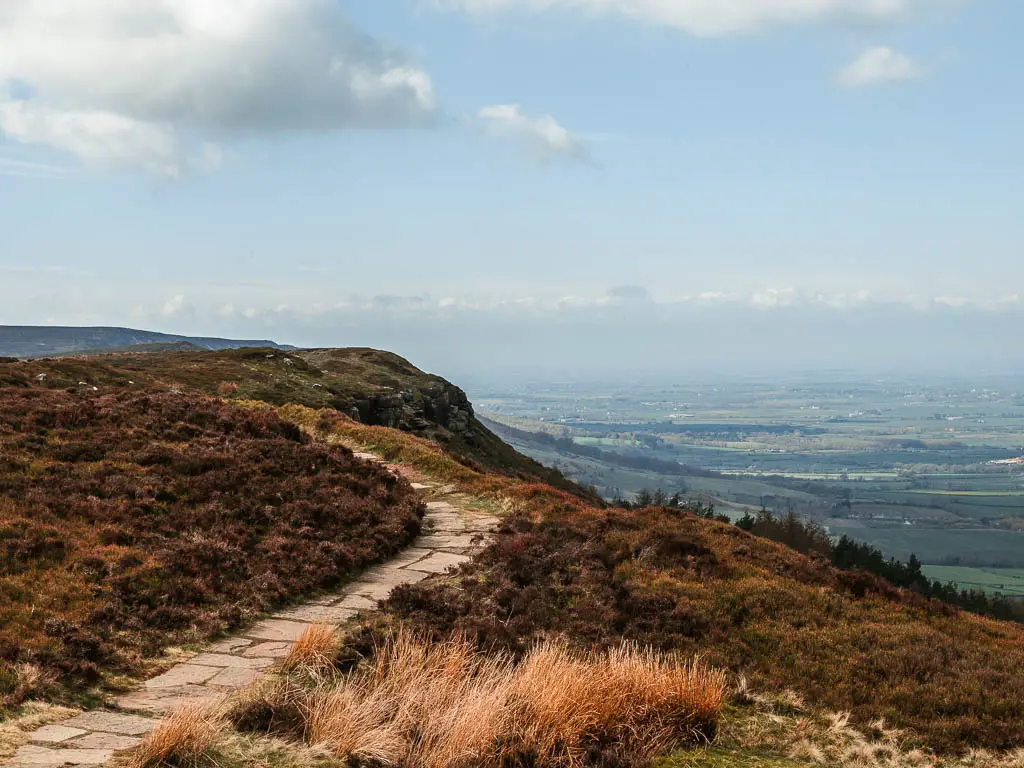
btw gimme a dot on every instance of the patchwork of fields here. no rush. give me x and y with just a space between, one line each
906 466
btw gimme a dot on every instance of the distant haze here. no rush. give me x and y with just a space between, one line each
631 339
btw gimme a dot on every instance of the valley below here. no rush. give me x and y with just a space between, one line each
934 470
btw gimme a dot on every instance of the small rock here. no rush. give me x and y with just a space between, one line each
182 674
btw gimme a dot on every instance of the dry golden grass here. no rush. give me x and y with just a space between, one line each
781 724
641 701
446 706
315 648
185 738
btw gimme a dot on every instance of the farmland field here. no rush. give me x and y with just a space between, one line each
935 468
1007 581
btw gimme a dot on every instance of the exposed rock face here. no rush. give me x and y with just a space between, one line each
436 404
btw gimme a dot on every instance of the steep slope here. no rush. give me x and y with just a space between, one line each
374 387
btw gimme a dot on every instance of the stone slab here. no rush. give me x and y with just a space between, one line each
441 506
31 755
358 602
409 556
268 650
114 741
449 541
160 701
277 629
112 722
230 645
182 674
389 574
370 592
439 562
224 660
323 600
422 486
379 589
317 614
234 677
55 734
446 523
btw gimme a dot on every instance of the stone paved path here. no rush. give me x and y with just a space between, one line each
450 535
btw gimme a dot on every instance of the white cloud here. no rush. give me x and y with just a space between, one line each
129 83
708 17
175 306
773 298
543 136
878 66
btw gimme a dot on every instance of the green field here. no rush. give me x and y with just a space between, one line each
1006 581
938 545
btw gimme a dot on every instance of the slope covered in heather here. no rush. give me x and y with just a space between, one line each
669 579
137 519
372 386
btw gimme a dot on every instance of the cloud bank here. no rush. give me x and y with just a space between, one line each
623 334
155 84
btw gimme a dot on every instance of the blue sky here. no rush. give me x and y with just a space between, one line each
406 173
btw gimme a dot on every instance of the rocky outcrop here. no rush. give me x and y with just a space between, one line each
436 404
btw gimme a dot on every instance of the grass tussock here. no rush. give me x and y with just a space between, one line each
185 739
316 648
444 705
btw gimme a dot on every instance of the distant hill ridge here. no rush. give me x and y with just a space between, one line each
31 341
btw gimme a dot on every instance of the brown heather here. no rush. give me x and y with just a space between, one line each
666 579
134 521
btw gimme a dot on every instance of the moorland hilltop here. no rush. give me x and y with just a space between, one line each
151 502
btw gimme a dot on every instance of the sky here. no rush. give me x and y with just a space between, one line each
549 187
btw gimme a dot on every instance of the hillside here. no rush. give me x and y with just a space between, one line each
25 341
134 520
374 387
669 579
148 500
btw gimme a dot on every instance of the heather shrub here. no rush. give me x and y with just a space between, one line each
139 519
678 583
